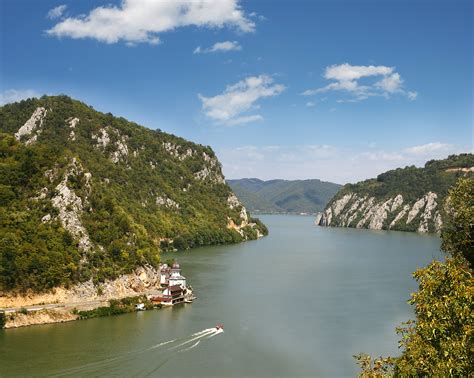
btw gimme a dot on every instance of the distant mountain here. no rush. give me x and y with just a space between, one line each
284 196
405 199
88 196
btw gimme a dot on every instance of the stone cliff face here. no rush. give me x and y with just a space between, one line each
354 210
138 282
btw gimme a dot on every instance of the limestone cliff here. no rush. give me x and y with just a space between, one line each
409 199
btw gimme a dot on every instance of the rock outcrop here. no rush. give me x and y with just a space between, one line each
143 279
354 210
32 128
38 317
243 221
70 205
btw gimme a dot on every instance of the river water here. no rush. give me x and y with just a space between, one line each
299 302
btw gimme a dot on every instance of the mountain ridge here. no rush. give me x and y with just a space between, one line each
284 196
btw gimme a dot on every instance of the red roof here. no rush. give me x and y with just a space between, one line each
175 288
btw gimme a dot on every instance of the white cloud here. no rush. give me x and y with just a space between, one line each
220 47
345 78
430 148
390 84
229 107
141 21
412 95
347 72
56 12
311 104
15 95
325 162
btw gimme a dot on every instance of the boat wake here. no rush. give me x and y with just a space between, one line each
166 351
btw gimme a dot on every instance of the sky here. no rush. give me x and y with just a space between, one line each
335 90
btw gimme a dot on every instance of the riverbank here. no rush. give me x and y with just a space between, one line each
144 287
65 312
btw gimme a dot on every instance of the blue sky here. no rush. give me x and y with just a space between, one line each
336 90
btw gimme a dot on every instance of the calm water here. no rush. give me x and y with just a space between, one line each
300 302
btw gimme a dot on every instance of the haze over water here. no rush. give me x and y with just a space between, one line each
299 302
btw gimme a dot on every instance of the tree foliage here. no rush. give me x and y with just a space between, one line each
439 342
458 232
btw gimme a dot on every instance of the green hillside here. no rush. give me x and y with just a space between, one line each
88 195
284 196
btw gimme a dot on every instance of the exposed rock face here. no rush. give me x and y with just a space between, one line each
341 203
354 210
234 203
70 205
399 216
32 128
177 151
121 151
72 122
103 139
143 279
431 204
416 209
165 201
39 317
210 171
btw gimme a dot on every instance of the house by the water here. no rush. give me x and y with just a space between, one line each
175 288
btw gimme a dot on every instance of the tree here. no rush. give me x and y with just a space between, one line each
438 343
458 232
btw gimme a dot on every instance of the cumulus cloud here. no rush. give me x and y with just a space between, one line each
15 95
141 21
219 47
346 78
430 148
229 107
56 12
325 162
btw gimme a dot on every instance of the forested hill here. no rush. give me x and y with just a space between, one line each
407 199
88 195
284 196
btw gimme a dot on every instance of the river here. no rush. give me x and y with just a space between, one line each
299 302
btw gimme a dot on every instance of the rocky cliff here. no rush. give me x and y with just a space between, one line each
88 197
408 199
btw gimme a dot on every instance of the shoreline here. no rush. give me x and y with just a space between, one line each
144 289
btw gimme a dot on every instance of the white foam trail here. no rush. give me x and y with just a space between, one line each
163 343
191 347
217 332
212 330
203 331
